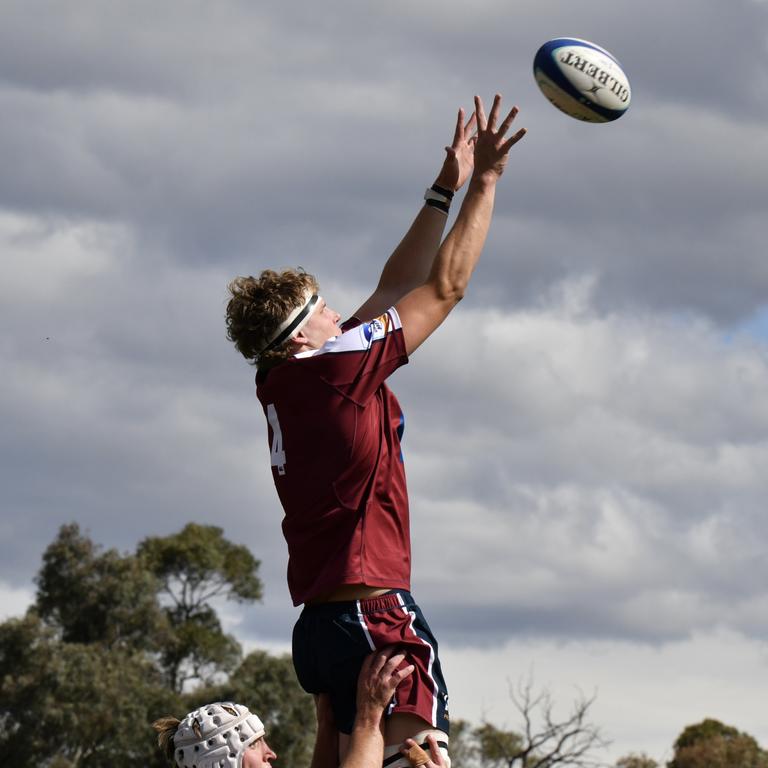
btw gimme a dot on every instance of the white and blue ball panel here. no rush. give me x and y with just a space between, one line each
582 79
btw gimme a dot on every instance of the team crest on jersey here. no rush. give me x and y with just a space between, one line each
376 329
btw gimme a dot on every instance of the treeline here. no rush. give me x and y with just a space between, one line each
708 744
115 640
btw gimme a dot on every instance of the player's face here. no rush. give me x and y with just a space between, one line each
258 755
322 325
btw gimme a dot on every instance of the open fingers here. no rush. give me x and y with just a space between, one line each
504 127
458 133
480 112
400 674
383 666
470 123
390 672
494 112
509 143
375 662
393 662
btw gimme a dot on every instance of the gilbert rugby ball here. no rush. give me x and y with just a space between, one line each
582 79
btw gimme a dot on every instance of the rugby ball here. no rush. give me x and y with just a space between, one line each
582 79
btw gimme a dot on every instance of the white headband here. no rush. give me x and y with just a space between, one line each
292 324
214 737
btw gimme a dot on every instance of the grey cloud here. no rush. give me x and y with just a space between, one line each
212 134
145 49
123 404
573 562
590 478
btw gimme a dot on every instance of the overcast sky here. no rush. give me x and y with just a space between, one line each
587 436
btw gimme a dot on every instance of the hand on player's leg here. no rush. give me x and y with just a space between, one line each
379 677
418 758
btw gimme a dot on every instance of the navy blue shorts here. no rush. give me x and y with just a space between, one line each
331 640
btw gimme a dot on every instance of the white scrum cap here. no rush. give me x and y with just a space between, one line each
215 736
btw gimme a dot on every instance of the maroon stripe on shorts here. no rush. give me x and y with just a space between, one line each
388 621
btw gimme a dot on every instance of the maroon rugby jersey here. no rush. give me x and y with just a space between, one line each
334 435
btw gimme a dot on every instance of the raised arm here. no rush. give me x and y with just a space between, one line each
424 308
379 677
376 686
410 262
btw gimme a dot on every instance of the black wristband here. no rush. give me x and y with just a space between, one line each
442 191
439 204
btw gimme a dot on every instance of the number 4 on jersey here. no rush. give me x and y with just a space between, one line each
276 454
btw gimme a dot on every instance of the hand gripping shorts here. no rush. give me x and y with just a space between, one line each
331 640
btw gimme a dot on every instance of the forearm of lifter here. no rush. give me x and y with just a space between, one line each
366 744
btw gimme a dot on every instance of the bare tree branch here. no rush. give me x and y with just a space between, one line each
544 741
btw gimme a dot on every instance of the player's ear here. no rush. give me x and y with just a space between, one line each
297 342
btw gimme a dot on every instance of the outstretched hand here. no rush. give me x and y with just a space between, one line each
460 156
491 148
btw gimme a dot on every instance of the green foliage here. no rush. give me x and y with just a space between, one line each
193 567
95 597
198 648
198 564
497 747
268 686
88 668
711 744
464 750
86 705
636 761
115 641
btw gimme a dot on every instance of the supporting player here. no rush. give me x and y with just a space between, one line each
335 431
228 735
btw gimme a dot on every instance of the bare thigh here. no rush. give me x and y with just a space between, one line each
398 727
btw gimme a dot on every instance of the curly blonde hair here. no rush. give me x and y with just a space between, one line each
257 307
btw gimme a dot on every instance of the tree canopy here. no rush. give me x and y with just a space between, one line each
711 744
90 596
193 568
87 704
634 760
114 641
